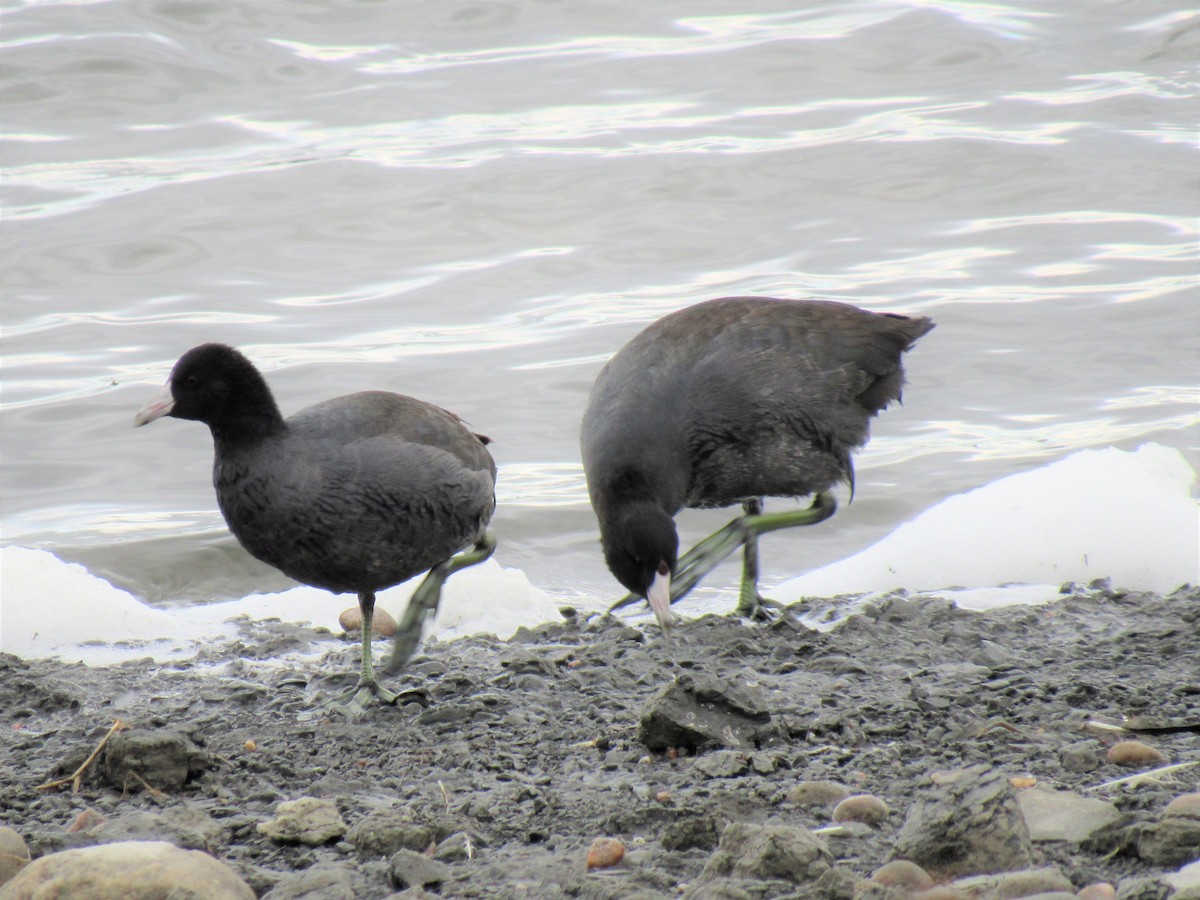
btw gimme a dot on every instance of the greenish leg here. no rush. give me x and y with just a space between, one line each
749 601
353 703
427 596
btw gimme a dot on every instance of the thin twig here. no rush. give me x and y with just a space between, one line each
1152 775
76 777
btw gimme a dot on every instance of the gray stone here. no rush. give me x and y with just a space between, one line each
184 826
722 764
1082 756
14 854
768 852
1173 841
130 870
698 712
1143 889
382 833
968 824
304 821
1062 815
408 869
163 758
320 882
689 832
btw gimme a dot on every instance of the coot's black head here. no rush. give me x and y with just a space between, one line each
641 547
217 385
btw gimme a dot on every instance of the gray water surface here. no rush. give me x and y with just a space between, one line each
477 203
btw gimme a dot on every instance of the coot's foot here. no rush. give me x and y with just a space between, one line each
427 596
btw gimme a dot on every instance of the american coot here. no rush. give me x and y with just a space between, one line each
357 493
726 402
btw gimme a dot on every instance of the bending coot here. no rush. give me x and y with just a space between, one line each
357 494
727 402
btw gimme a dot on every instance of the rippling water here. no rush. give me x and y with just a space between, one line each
476 203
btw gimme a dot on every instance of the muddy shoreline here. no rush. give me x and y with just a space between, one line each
506 759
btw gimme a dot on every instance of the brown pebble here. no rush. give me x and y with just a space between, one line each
1133 753
1184 805
86 820
1020 782
809 794
902 874
382 623
663 796
865 808
1101 890
605 853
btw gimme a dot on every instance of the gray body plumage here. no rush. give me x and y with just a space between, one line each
357 493
740 398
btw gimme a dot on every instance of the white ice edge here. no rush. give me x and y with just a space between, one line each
1129 516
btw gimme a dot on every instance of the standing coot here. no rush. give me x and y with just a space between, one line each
726 402
358 493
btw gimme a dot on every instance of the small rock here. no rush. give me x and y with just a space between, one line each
382 622
1134 753
605 853
1186 882
1101 890
902 874
305 821
157 868
1030 883
409 869
809 794
698 712
1184 805
320 882
865 808
456 847
1173 841
768 852
163 758
1144 889
86 821
1064 816
722 764
1082 756
14 854
969 823
689 832
381 833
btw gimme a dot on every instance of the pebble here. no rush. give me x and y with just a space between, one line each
1184 805
967 823
865 808
1082 756
1101 890
157 868
768 852
14 854
809 794
382 622
605 853
308 820
1134 753
408 869
160 757
902 874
